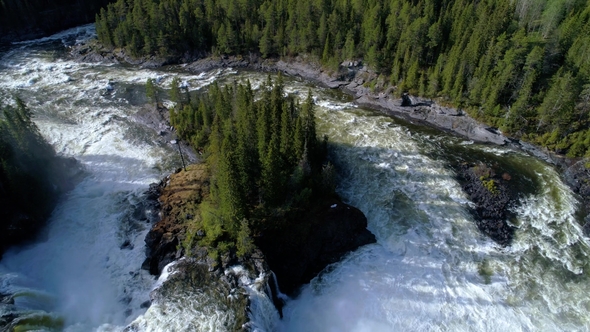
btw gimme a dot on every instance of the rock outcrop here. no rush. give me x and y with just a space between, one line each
296 251
492 198
577 176
179 194
301 248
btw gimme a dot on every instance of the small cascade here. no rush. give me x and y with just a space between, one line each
278 298
208 302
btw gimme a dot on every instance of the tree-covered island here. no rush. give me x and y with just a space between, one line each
265 183
265 160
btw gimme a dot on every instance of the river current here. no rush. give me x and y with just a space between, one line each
430 270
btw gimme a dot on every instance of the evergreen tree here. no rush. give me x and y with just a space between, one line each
175 94
150 91
264 158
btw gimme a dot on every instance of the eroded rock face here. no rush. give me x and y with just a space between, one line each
577 176
305 246
178 194
493 199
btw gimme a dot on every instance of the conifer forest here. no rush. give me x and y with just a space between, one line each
521 66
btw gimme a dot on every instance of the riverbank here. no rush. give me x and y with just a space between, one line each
37 19
370 91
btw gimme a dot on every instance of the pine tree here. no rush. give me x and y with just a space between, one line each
349 51
308 127
286 130
175 94
244 242
151 91
230 196
326 53
298 139
272 180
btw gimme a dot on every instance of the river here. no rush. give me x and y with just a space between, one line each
430 270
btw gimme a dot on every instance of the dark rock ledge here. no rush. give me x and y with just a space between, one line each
493 199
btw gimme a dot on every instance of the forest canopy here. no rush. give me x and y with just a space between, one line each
519 65
267 164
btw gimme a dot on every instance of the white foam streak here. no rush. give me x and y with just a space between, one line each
432 270
77 34
81 264
262 312
89 264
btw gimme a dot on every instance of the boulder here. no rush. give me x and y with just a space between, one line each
492 198
406 100
301 248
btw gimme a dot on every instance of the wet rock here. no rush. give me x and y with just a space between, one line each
161 248
92 52
7 317
586 227
126 245
300 250
406 100
577 176
6 299
492 198
210 291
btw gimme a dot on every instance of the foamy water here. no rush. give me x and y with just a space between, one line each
87 272
431 269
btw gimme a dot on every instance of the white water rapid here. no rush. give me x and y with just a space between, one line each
84 273
430 270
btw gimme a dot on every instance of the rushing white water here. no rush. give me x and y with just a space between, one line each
85 273
430 270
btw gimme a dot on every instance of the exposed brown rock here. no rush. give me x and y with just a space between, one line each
296 250
179 195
